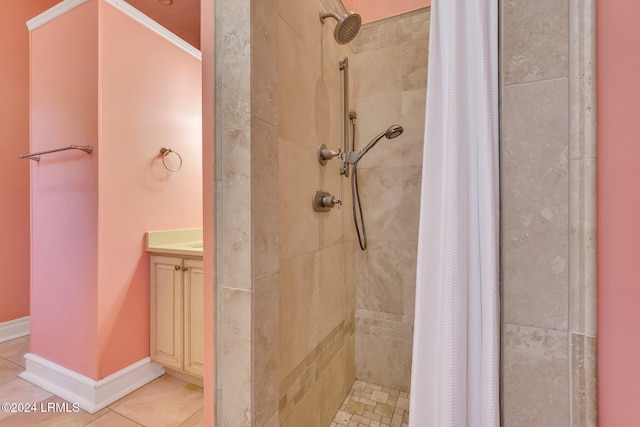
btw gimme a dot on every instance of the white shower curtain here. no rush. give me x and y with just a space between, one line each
455 368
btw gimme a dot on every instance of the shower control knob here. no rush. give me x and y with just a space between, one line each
324 154
330 201
323 201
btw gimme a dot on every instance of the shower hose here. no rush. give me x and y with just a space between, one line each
355 195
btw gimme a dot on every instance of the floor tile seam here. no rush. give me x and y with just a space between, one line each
13 363
189 417
122 415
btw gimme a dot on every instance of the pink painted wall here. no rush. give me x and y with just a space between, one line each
151 94
618 86
373 10
14 140
64 186
88 260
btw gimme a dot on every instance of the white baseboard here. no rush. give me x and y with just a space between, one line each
89 394
13 329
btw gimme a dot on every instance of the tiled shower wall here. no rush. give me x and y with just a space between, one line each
285 291
389 81
548 213
277 89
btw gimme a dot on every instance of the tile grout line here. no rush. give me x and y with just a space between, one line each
372 405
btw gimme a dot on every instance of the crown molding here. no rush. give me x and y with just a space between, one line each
51 14
143 19
68 5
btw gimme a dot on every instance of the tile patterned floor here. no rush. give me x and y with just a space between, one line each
165 401
372 405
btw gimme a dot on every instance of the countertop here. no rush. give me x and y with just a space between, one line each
185 242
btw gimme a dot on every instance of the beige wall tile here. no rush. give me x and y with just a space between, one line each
264 197
385 360
377 72
299 289
584 381
266 346
237 375
298 75
314 282
535 204
329 98
410 248
336 381
381 198
306 411
274 421
535 378
331 308
347 215
304 21
583 278
313 301
298 179
391 78
414 60
380 273
349 248
375 114
235 62
236 209
409 212
582 78
331 224
264 60
413 118
551 43
535 40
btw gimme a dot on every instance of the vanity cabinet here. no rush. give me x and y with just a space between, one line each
177 338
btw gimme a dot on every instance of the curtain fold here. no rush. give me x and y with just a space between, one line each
455 368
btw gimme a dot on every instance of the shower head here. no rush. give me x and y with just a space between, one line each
347 28
393 132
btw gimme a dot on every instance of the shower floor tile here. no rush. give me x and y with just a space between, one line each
373 406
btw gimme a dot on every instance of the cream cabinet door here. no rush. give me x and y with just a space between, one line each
167 311
193 317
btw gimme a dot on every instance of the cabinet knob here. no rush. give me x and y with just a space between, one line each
177 267
185 268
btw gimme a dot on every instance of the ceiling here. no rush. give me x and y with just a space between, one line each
182 17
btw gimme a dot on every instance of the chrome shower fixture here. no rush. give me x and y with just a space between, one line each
324 154
353 158
347 28
323 201
393 132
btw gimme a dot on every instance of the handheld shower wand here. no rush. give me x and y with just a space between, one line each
392 132
353 158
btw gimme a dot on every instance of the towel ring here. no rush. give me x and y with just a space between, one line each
165 151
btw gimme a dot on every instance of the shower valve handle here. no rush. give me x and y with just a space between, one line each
330 201
322 201
325 154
